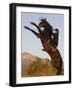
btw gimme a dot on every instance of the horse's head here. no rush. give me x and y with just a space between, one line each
43 23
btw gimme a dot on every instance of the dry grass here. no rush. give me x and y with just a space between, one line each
33 66
39 68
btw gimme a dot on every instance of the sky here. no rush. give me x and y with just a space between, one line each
30 43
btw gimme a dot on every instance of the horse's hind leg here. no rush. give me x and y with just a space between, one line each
59 69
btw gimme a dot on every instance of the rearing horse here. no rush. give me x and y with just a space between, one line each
56 58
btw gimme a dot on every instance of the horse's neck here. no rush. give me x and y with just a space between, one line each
47 26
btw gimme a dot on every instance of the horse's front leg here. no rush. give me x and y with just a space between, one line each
35 33
36 26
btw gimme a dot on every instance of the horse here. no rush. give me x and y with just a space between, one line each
46 38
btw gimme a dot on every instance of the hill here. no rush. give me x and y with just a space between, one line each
35 66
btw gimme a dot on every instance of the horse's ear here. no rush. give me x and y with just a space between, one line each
45 19
40 19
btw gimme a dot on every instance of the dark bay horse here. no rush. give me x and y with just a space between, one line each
45 38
